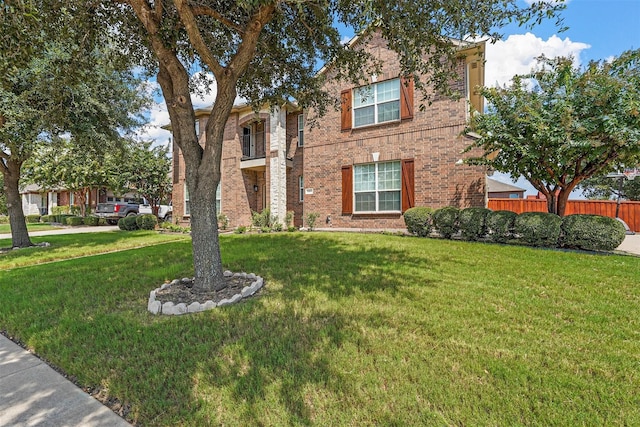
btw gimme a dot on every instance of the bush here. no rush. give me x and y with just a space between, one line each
128 223
4 219
311 220
276 227
538 229
59 210
418 220
32 219
74 220
288 219
473 223
500 225
262 219
146 221
46 218
592 232
445 220
240 230
61 218
291 229
223 221
92 220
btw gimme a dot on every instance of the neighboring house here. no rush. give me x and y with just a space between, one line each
501 190
360 167
36 201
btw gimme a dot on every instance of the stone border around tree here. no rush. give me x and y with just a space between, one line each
169 308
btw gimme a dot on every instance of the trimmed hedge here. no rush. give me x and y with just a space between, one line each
128 223
445 220
61 218
473 223
146 221
32 219
46 218
91 220
75 220
418 220
592 232
500 225
538 229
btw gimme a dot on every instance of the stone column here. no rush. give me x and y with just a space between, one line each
278 164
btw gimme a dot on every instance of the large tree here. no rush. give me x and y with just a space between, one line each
562 124
57 75
268 52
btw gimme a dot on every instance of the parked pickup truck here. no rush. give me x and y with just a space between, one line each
164 211
112 212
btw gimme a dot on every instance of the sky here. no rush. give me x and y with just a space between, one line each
598 30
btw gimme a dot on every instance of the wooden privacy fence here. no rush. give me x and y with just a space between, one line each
629 211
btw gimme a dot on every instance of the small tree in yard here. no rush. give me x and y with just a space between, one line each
571 125
148 172
267 51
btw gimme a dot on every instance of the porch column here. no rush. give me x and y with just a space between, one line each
278 164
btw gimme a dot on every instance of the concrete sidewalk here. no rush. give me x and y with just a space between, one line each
33 394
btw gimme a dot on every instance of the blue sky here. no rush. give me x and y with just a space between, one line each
598 30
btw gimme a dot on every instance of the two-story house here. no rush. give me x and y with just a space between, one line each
360 167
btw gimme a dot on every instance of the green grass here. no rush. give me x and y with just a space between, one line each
350 330
68 246
6 228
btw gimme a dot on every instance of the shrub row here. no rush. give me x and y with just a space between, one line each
588 232
138 222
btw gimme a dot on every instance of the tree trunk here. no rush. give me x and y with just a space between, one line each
19 234
202 176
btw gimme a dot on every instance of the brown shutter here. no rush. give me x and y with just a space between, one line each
408 192
406 98
347 190
345 116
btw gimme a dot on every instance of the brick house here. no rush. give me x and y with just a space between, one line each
359 167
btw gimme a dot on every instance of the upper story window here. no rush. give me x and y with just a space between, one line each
300 130
383 102
377 103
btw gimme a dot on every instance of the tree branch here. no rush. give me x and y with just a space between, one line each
188 18
207 11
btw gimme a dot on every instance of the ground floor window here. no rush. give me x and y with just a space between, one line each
187 205
301 187
377 187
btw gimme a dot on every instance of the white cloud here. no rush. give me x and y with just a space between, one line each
516 55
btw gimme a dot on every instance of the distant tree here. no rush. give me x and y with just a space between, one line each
57 75
68 165
148 173
268 52
561 125
605 188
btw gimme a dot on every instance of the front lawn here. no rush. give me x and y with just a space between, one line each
350 330
6 228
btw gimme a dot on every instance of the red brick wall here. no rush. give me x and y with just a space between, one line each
432 138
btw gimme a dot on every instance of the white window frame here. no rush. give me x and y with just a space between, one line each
301 187
301 130
377 190
197 125
372 100
187 207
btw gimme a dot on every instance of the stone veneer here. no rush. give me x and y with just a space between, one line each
169 308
